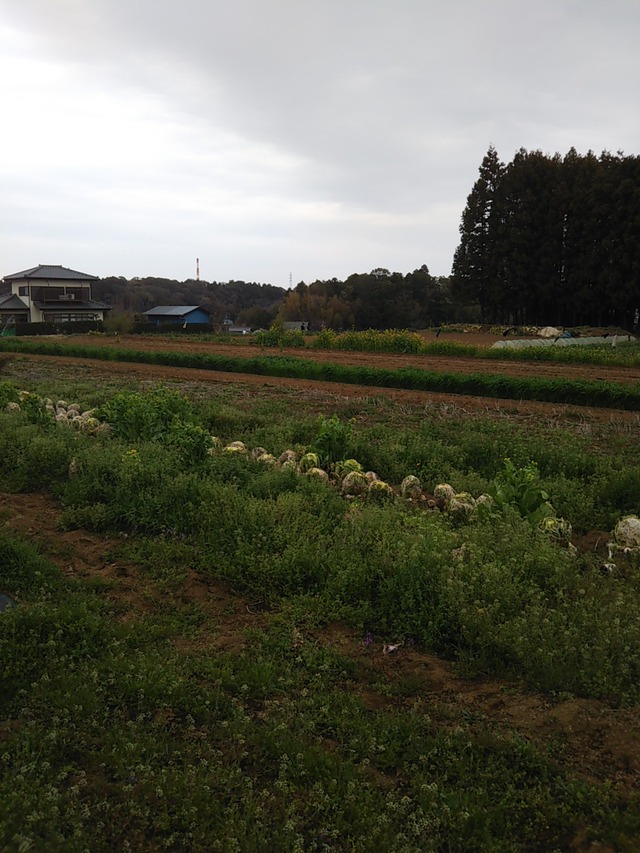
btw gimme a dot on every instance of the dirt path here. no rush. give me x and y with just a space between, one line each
596 741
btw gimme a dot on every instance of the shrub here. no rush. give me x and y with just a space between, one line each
119 323
25 573
31 457
276 336
8 394
143 417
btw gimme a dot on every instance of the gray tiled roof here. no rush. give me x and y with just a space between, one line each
172 310
50 271
11 302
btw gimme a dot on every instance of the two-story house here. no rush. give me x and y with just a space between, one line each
50 294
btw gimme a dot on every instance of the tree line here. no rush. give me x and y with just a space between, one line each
379 299
552 240
249 303
544 240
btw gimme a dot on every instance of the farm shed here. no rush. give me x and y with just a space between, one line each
178 315
50 294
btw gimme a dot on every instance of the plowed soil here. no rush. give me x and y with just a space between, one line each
375 359
240 348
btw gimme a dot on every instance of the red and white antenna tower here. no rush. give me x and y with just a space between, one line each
197 269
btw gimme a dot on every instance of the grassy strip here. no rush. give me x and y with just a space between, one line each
626 355
575 392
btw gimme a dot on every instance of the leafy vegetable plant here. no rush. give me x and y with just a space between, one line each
145 417
333 441
521 489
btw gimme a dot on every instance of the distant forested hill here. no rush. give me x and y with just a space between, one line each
379 300
241 301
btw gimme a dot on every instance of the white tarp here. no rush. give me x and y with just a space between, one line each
550 332
610 340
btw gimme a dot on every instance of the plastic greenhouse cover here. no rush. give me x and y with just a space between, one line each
611 340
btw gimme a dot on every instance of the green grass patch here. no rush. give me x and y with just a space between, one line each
113 738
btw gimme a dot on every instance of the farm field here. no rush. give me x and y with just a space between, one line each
377 359
603 377
461 403
200 658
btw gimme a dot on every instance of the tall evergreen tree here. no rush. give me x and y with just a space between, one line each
621 237
553 240
474 263
528 248
581 240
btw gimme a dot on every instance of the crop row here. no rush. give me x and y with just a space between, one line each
576 392
402 341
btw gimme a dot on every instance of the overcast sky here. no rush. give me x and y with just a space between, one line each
287 138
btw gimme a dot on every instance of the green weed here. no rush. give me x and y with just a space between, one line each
114 739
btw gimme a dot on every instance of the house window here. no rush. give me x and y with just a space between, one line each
60 317
23 290
47 294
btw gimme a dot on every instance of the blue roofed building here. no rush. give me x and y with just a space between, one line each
178 315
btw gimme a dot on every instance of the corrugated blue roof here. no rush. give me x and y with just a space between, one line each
50 271
172 310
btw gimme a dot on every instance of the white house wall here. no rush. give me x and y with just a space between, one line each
26 299
35 313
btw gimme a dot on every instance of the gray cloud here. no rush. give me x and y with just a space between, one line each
329 137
